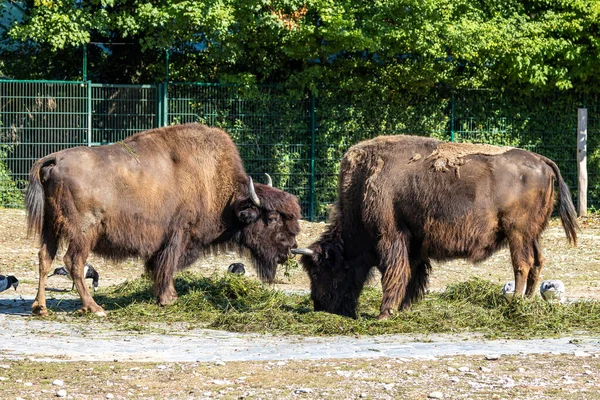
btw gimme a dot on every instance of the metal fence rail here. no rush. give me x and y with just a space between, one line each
296 137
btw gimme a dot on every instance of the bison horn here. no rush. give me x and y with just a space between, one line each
253 195
303 251
269 180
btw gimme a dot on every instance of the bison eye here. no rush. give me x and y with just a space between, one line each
272 217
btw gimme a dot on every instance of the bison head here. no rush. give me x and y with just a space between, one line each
334 285
269 219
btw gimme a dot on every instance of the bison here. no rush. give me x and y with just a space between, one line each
406 200
166 196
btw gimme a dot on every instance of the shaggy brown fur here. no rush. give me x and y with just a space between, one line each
396 212
164 195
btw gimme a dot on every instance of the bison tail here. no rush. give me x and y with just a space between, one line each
34 198
566 209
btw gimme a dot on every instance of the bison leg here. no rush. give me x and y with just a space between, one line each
534 273
521 253
46 255
75 261
395 268
166 262
417 285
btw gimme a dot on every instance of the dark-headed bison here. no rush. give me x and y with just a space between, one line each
164 195
406 200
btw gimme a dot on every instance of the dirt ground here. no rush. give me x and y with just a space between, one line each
531 376
544 376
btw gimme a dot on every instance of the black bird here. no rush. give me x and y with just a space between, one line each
237 268
88 272
8 281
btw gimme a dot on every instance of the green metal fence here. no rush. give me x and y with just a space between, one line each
119 111
37 118
296 137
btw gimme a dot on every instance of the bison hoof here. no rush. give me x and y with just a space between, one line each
99 311
385 314
166 301
40 311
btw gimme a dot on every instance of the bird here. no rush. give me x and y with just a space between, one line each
237 268
508 291
553 291
88 272
8 281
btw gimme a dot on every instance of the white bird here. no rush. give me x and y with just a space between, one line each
508 291
8 281
553 291
88 272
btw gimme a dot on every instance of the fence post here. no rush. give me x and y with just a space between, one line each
165 104
582 178
312 158
159 105
452 138
84 70
89 112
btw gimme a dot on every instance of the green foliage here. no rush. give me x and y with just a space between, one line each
405 44
244 305
10 195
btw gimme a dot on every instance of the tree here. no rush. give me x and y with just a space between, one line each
409 44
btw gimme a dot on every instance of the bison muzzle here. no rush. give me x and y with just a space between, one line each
406 200
166 196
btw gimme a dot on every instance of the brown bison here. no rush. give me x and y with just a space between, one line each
165 195
406 200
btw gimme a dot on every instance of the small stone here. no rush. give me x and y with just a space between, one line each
161 366
492 357
4 366
28 384
521 369
346 374
484 369
435 395
110 396
588 372
303 390
58 382
3 378
61 393
362 395
409 372
455 379
220 363
463 369
581 354
451 369
388 386
281 363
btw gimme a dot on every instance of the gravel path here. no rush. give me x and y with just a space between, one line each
23 336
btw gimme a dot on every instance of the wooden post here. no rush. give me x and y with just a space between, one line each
582 162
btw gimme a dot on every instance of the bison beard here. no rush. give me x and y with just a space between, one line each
399 207
167 196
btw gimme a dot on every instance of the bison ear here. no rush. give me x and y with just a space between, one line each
247 215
